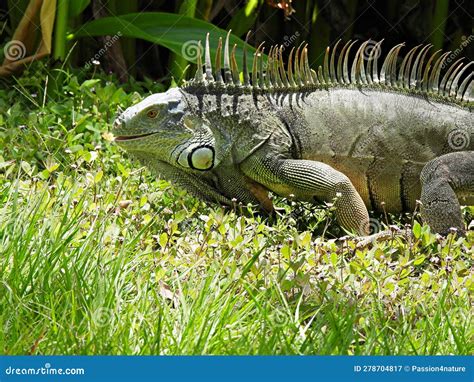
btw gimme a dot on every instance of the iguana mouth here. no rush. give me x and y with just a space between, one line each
122 138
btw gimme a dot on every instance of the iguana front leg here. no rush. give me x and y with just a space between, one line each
443 180
311 180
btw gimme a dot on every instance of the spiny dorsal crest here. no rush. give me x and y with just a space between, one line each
271 75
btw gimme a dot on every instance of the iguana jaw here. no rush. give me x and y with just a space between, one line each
125 138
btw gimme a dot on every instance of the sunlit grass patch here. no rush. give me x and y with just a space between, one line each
98 256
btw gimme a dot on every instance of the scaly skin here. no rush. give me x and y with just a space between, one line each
381 140
364 147
382 150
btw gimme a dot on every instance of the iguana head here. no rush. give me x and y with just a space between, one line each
162 127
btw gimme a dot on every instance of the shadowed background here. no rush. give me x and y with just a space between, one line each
446 24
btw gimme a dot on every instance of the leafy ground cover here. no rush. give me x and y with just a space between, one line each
98 256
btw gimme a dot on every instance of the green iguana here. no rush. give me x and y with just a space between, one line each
365 138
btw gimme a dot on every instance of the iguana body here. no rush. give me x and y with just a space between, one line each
366 138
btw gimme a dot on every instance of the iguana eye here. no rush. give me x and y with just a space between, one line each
151 113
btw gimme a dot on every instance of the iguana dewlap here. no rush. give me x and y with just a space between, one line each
365 137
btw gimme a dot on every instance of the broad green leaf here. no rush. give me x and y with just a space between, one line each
163 239
175 32
239 239
98 176
305 238
286 251
417 230
44 174
419 260
334 259
89 83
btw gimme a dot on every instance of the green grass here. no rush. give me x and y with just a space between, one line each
98 256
